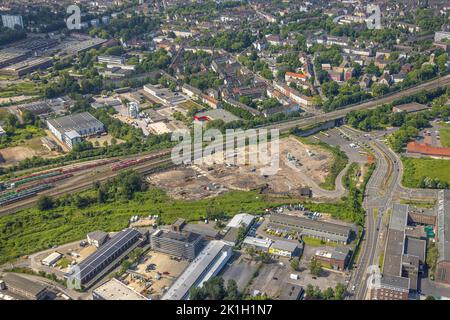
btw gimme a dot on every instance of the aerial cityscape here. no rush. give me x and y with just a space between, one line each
224 150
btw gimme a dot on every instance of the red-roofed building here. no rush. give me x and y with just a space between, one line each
213 103
426 149
294 77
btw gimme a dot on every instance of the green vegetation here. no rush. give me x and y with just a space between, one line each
313 242
340 161
314 293
432 256
17 133
72 216
214 289
426 173
418 204
409 124
21 88
444 133
315 267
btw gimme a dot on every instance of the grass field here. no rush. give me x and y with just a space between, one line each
415 168
445 137
31 230
313 242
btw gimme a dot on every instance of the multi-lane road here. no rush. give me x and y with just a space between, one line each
383 188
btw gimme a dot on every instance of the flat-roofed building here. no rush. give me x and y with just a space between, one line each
291 292
105 258
97 238
164 95
27 66
24 287
257 244
206 265
35 108
182 244
337 258
443 236
10 56
116 290
327 231
284 248
70 129
390 288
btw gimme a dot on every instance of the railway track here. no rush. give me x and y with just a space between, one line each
82 185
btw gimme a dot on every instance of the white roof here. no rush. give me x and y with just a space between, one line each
239 219
52 258
209 261
258 242
72 134
116 290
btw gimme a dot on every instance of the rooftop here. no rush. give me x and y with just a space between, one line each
312 224
200 269
239 219
79 121
443 232
116 290
14 280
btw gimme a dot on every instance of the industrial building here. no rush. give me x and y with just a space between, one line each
111 60
285 248
10 56
257 244
164 95
116 290
182 244
443 236
51 259
232 228
37 108
207 264
70 129
27 66
97 238
404 258
336 259
24 287
324 230
390 288
105 258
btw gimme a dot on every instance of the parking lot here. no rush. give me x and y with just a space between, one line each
241 269
155 273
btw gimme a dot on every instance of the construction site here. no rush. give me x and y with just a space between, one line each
300 166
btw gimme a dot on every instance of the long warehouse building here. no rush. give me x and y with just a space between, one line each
324 230
208 264
106 257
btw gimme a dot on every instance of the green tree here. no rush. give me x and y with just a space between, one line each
315 267
45 203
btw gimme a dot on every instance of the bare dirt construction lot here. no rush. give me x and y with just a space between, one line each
30 148
185 183
145 277
311 163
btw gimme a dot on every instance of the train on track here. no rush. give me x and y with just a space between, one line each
128 163
18 188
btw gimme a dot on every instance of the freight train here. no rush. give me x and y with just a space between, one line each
128 163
